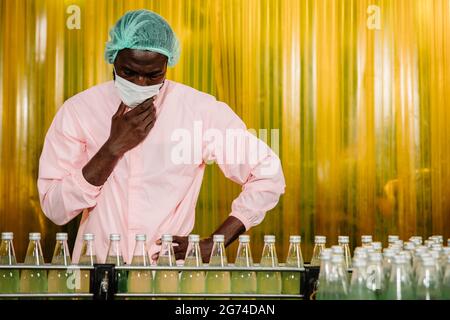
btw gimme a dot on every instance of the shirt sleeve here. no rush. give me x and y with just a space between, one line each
246 160
63 190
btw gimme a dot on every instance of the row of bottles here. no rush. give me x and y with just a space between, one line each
146 281
413 269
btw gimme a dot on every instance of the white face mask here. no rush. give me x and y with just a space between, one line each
131 94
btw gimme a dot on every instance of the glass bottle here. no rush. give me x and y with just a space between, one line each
338 285
269 282
34 280
375 275
166 281
358 289
428 286
59 280
322 285
9 278
243 281
291 280
218 282
193 281
400 284
87 258
344 242
140 281
115 257
319 245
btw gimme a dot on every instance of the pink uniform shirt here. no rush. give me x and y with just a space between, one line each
154 187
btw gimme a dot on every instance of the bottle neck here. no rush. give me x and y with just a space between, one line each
140 255
115 253
193 255
218 255
294 258
61 254
34 253
166 255
87 256
244 255
7 254
269 257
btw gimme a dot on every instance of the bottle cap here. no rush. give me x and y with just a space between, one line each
88 236
244 238
7 235
141 237
388 253
320 239
343 239
392 238
295 239
219 238
366 238
34 236
269 238
167 238
61 236
114 236
194 238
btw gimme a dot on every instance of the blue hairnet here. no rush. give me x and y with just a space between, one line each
143 30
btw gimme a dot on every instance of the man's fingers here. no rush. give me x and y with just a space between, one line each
179 239
179 256
143 107
121 110
155 256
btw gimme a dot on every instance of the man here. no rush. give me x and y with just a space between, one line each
119 151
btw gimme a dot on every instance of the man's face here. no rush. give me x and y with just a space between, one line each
142 67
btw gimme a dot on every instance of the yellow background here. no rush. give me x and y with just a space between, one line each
363 113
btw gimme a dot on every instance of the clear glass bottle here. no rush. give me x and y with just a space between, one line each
358 289
428 286
291 280
388 257
344 241
34 280
9 278
392 239
319 245
59 281
322 285
140 281
87 258
269 282
193 281
338 284
243 281
218 282
400 283
115 257
446 281
375 275
366 241
166 281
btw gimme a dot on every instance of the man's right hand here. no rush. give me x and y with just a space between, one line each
128 129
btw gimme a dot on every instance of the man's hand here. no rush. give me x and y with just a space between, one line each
127 131
180 248
131 128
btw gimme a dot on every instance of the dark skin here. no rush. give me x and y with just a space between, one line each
130 128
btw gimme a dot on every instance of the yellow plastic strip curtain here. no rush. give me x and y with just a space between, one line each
352 94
